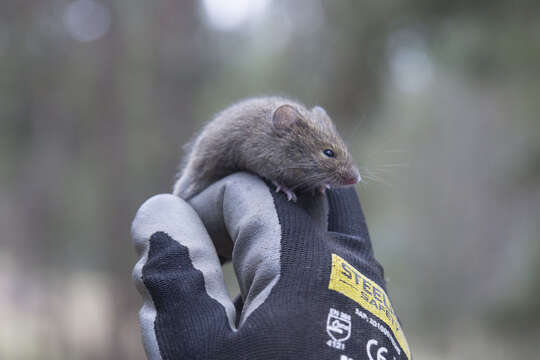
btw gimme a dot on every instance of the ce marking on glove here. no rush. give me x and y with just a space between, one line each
378 351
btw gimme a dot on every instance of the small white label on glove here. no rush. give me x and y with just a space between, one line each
338 327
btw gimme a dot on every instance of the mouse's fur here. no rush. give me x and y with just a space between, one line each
276 138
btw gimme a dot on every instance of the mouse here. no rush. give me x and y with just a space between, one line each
295 148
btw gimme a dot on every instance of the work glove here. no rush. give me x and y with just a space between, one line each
310 287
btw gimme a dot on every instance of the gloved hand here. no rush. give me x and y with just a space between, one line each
310 286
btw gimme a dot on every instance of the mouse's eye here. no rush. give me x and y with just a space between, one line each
329 153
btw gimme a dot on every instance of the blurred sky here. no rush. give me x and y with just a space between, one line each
438 102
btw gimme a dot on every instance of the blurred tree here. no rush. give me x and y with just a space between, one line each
91 125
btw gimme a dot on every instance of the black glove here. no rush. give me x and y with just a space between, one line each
310 286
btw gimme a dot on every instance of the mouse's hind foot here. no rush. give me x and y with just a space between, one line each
291 196
322 189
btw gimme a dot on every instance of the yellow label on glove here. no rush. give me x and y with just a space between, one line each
345 279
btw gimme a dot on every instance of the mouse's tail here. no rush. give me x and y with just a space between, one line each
189 185
183 186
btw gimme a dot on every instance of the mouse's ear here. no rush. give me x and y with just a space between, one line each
319 111
285 116
320 116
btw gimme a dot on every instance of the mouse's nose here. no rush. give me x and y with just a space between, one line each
351 177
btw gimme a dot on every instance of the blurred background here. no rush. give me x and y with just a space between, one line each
439 102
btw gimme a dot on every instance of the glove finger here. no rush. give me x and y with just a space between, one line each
179 275
345 213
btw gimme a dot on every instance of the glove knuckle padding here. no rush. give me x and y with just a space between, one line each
246 207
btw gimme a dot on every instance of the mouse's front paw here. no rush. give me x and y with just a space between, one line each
291 196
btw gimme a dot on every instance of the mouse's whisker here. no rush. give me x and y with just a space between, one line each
305 181
282 171
310 181
392 165
371 174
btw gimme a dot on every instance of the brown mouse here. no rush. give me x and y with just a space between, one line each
296 148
